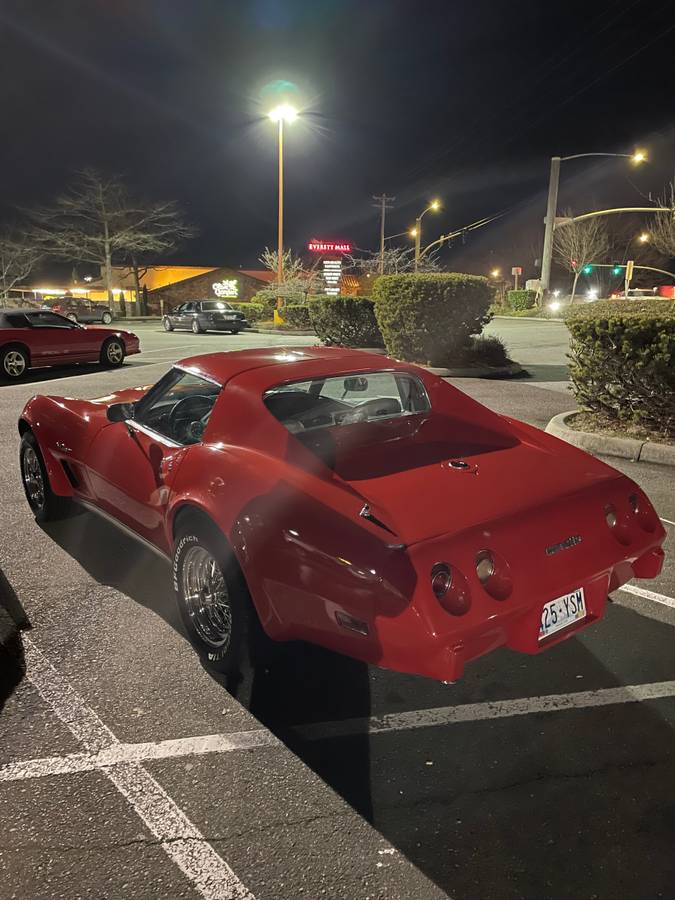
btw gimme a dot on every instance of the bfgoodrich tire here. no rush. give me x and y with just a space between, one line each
212 598
112 353
45 504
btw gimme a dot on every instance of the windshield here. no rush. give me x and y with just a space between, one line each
340 401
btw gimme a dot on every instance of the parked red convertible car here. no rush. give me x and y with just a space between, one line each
342 498
32 338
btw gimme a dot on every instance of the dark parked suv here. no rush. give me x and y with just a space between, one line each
79 309
205 315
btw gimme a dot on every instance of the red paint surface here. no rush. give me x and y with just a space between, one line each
308 555
58 346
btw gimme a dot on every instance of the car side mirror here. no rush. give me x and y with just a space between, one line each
120 412
355 383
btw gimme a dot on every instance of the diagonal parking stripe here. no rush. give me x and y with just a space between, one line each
476 712
209 874
649 595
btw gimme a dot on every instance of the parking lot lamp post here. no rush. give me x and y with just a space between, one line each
281 114
639 156
417 230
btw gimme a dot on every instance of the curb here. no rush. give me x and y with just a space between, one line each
510 371
526 319
285 331
609 445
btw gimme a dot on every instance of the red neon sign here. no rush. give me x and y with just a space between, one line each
329 246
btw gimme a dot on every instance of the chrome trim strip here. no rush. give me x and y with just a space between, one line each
151 433
125 529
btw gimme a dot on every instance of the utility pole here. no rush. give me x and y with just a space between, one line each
383 203
547 254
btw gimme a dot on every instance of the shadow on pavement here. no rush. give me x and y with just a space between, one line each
578 803
12 620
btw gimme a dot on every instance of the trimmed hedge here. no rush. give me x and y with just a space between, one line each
623 362
254 312
266 300
296 315
347 321
430 318
518 300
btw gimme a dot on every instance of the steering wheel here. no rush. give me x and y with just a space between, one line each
186 414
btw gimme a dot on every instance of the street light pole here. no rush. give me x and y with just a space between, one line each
552 203
417 231
551 206
280 114
280 229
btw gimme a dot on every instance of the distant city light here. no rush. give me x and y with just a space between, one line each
592 294
495 273
556 292
644 237
554 307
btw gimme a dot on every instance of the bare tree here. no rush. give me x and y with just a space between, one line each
579 244
299 280
97 221
19 253
662 227
396 261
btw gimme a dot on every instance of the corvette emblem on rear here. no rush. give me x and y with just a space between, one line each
571 541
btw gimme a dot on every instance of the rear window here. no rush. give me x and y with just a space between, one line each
344 400
215 306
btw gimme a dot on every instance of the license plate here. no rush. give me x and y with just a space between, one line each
560 613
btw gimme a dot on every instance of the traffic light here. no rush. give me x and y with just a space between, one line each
587 270
616 270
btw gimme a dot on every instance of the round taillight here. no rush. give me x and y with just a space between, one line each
441 579
610 516
485 566
451 589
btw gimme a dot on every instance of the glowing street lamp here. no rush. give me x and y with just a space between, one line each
637 157
416 232
495 273
282 113
644 237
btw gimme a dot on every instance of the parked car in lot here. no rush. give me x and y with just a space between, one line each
206 315
80 309
333 496
634 294
31 339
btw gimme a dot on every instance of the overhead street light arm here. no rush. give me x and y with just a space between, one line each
561 222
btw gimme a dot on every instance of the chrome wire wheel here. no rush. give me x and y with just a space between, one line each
32 478
14 363
114 353
206 598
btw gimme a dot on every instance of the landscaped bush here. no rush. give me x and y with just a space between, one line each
430 318
266 300
254 312
518 300
347 321
296 315
484 351
623 362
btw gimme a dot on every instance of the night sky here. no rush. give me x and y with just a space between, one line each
461 100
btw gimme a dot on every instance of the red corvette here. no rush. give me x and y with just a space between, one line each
340 497
32 338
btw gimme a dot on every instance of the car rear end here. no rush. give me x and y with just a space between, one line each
221 317
526 581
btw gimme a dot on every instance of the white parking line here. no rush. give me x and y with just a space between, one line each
667 521
167 349
477 712
649 595
208 872
118 753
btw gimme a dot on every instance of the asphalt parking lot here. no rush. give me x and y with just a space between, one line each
134 774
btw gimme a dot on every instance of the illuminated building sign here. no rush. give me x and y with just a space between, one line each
226 288
332 272
329 246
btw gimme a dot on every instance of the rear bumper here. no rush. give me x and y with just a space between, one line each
426 640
